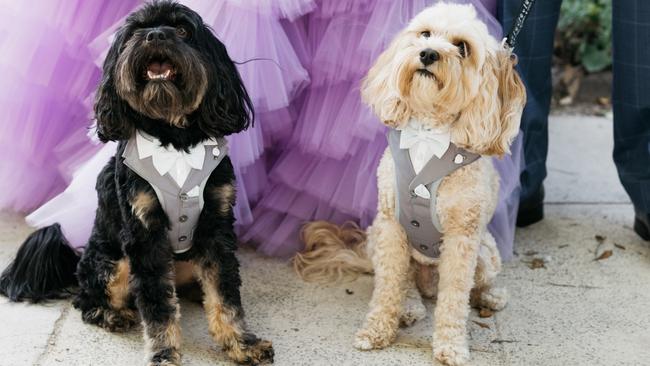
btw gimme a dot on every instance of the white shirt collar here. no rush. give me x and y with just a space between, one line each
169 160
424 142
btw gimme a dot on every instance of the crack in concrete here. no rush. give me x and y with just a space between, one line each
54 335
501 351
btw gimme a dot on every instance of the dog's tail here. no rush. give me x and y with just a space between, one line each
44 267
332 253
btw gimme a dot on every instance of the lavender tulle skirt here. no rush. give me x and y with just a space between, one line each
311 155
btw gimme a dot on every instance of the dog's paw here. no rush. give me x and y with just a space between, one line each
451 354
166 357
252 351
414 310
493 298
111 320
367 339
163 363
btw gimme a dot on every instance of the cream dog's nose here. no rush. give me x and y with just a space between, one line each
429 56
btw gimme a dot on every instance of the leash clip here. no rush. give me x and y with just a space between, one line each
505 45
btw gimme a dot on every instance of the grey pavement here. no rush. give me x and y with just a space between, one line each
575 311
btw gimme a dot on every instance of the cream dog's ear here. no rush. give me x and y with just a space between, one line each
491 120
512 94
380 89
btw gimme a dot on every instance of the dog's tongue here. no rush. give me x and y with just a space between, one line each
159 70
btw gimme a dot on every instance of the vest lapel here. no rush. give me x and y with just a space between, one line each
400 156
210 163
435 168
145 169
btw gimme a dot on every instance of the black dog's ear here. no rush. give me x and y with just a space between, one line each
111 111
226 106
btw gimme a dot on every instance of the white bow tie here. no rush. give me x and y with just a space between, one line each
423 143
431 141
177 163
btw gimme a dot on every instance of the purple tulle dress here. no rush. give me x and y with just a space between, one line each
312 154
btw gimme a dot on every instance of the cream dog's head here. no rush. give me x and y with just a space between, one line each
445 69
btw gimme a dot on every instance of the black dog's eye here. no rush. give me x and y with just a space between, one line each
425 34
182 32
462 48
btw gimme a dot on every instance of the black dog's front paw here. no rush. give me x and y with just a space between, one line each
111 320
252 351
166 357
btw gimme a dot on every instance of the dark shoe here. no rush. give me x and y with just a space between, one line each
532 209
642 225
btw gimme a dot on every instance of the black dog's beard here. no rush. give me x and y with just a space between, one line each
168 98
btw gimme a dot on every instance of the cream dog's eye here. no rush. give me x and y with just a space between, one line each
425 34
462 49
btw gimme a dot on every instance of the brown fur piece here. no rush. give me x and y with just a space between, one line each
226 324
118 285
119 317
327 245
225 195
142 204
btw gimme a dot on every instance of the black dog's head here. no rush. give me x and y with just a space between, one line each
167 66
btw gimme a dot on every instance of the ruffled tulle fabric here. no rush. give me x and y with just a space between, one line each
327 172
48 75
74 208
256 40
289 9
313 152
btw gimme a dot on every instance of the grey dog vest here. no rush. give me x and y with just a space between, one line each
181 208
416 214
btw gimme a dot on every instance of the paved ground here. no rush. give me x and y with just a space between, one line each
576 311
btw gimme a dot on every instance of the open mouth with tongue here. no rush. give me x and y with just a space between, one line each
160 71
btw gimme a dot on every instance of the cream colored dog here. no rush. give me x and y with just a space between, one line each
473 91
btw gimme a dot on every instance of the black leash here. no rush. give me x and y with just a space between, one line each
511 39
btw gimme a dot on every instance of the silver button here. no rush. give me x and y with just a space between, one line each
184 197
183 218
216 152
182 238
414 223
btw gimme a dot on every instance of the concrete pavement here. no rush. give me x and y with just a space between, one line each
575 311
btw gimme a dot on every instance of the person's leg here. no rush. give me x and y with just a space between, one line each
535 50
631 99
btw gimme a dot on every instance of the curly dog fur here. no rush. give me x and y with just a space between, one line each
128 270
473 90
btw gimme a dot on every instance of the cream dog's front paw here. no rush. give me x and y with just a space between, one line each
494 298
369 338
414 310
450 354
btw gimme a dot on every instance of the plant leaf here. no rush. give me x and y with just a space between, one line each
605 254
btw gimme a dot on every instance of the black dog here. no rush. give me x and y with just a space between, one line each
168 77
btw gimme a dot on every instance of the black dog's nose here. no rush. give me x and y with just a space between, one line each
429 56
156 34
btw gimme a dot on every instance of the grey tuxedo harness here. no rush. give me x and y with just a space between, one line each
418 215
182 208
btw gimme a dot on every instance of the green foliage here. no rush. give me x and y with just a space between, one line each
585 33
